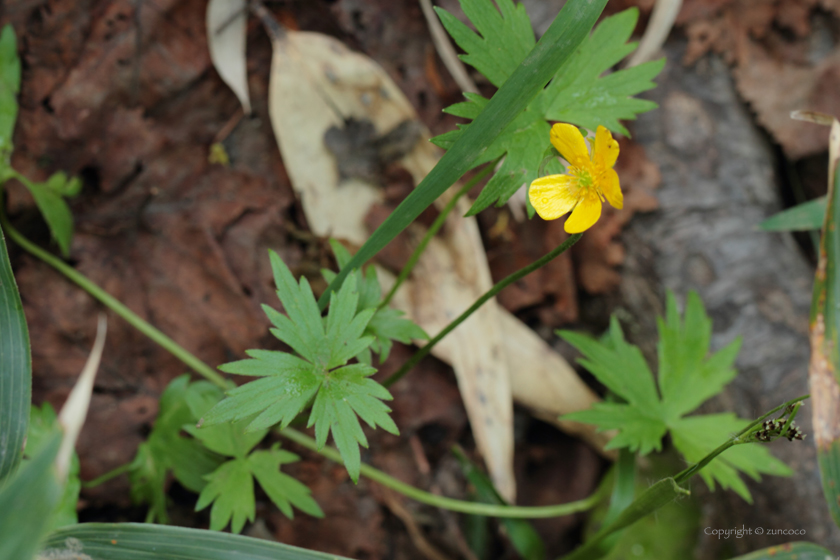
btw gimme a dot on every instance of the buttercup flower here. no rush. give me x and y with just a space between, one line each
587 182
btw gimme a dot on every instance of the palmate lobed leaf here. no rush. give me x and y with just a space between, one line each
288 384
688 376
577 94
386 324
165 449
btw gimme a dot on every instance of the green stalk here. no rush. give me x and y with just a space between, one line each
301 439
501 285
102 479
474 508
436 225
735 440
189 359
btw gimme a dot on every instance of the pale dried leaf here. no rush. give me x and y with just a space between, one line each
227 22
318 83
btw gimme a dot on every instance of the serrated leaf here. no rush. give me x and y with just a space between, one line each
577 94
167 450
697 436
282 489
348 393
688 376
230 489
288 383
503 39
638 431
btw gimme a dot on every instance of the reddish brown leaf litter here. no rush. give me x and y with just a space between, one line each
122 93
783 56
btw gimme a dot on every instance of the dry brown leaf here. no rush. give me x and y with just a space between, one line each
227 22
316 84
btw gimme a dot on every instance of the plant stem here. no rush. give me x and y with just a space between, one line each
107 476
735 440
432 231
420 354
189 359
474 508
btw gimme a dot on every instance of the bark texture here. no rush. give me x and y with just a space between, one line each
719 182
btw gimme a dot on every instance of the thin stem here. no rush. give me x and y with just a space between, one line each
107 476
735 440
423 352
432 231
189 359
474 508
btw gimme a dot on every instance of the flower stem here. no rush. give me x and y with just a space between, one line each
734 440
115 305
501 285
432 231
474 508
301 439
107 476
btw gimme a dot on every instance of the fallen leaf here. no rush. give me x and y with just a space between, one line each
227 25
317 84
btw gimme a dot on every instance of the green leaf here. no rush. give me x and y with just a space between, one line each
790 551
803 217
558 43
824 367
502 42
282 489
659 494
167 450
697 436
15 362
581 96
122 541
9 88
386 324
56 213
289 383
230 489
577 94
43 426
27 503
688 376
639 430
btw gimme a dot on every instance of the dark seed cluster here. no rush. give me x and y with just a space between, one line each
773 429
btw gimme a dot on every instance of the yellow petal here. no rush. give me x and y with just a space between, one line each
569 142
553 195
611 189
586 213
606 149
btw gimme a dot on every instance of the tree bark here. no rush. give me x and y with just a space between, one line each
719 182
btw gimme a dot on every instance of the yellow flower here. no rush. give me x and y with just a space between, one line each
587 182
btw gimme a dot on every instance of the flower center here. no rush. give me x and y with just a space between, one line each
583 176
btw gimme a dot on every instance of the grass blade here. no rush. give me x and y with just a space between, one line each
137 541
15 369
561 40
825 328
